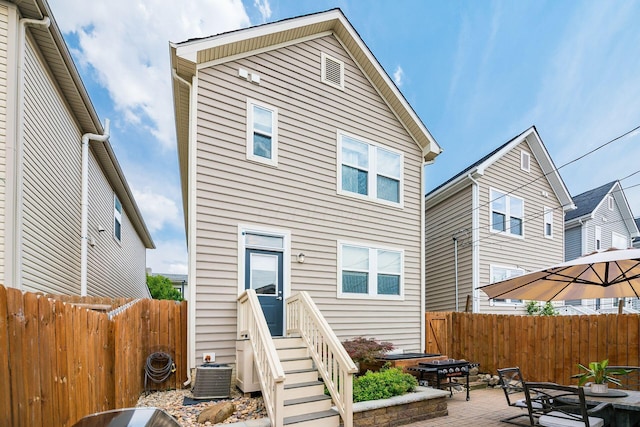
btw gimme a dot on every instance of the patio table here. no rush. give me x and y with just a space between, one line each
627 406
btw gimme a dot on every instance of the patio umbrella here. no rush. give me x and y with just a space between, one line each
611 274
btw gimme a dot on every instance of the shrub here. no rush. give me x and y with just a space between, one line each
535 309
366 350
382 384
160 287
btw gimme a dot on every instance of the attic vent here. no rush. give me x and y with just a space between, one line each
525 161
332 71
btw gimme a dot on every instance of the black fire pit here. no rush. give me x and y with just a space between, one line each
444 370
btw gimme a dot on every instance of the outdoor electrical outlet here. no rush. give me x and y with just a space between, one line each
208 357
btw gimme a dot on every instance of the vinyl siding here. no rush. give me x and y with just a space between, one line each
534 251
51 205
4 40
573 243
300 194
451 216
115 269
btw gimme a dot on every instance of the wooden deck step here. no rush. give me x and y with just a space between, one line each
329 418
307 405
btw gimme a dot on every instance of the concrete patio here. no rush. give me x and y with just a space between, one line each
486 408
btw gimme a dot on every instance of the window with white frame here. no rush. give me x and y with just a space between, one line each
373 272
262 133
598 237
525 161
507 213
117 218
548 222
498 274
368 170
610 202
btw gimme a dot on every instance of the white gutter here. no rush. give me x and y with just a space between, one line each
191 230
19 151
84 228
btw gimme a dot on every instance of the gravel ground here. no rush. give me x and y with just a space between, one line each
247 408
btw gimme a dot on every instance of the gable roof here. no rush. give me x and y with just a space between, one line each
58 58
188 55
588 202
464 178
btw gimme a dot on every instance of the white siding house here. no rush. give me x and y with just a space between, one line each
45 113
298 155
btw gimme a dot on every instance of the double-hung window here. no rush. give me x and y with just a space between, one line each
262 133
117 218
507 213
368 170
498 274
370 272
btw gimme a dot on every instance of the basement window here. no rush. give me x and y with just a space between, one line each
332 71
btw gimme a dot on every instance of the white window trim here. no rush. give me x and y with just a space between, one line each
505 302
372 171
117 216
373 289
286 253
273 161
525 155
507 232
597 236
323 73
547 211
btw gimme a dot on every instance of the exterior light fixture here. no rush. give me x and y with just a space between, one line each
301 258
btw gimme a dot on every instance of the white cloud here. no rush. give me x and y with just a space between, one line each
264 8
169 256
126 42
158 210
398 76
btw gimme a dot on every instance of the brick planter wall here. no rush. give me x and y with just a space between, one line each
424 404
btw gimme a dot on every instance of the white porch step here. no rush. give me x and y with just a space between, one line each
313 388
300 376
292 352
307 405
297 363
287 342
329 418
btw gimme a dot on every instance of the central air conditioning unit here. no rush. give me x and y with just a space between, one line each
213 381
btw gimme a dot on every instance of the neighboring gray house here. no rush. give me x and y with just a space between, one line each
602 220
498 218
54 236
636 240
300 160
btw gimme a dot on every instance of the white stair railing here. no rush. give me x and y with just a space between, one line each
326 350
252 325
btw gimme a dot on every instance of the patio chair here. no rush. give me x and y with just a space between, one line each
512 384
564 406
630 380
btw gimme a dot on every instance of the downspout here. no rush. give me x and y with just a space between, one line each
475 257
84 228
19 150
455 262
190 238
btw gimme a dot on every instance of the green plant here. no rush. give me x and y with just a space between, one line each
382 384
599 372
365 350
535 309
160 287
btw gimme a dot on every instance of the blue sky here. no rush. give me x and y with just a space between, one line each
476 72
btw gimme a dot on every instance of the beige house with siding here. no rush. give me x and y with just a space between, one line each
301 165
500 217
47 242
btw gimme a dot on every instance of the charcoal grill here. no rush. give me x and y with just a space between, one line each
443 371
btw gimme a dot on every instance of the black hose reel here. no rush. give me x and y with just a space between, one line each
158 368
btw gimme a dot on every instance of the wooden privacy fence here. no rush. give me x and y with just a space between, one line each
60 361
546 348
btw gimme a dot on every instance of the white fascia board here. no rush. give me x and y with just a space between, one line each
626 213
189 49
452 188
